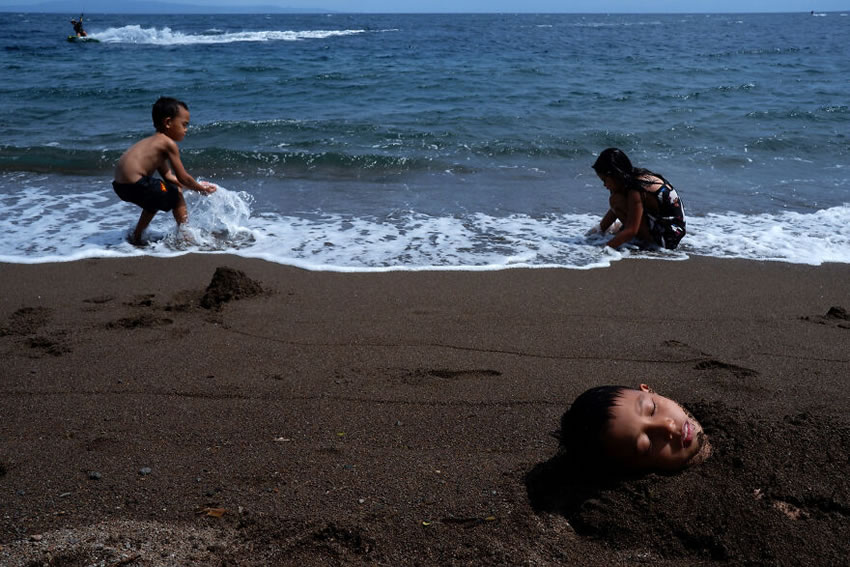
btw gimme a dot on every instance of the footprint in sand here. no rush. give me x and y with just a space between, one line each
139 322
730 376
100 299
738 371
684 348
418 376
462 374
26 321
143 300
48 345
94 303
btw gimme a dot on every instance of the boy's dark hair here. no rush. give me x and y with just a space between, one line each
166 107
584 423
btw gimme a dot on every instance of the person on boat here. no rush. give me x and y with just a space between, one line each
78 27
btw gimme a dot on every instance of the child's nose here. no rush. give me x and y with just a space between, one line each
666 425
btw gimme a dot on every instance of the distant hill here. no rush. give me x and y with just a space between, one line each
135 7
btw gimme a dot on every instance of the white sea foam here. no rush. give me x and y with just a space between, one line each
42 227
165 36
814 238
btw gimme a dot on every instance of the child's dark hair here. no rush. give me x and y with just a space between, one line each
166 107
587 419
613 162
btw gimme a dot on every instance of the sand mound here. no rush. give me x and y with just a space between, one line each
228 284
837 312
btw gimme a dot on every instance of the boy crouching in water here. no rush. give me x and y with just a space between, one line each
134 181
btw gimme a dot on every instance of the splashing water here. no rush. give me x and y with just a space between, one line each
218 221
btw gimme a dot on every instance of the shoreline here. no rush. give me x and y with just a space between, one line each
365 243
406 417
299 265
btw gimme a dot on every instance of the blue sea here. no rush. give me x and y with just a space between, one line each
409 142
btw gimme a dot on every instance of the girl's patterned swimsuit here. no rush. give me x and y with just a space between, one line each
668 225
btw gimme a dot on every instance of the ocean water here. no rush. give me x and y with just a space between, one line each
380 142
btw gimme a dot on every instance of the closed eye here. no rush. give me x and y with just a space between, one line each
654 409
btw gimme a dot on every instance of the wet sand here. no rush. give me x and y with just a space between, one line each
294 417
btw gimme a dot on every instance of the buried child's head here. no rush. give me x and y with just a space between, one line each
620 428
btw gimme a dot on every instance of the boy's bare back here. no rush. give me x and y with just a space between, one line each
160 153
144 158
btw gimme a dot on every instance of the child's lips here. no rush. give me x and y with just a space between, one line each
687 433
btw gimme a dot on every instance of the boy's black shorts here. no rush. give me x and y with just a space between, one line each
149 193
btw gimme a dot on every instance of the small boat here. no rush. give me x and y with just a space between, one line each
82 39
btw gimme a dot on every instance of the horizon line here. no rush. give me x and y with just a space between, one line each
307 11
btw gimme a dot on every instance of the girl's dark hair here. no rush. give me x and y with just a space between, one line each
613 162
584 423
165 107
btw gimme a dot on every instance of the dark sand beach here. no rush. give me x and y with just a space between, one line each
287 417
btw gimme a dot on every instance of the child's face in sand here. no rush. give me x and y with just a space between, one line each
651 432
175 128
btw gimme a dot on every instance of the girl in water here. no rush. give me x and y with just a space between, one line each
645 203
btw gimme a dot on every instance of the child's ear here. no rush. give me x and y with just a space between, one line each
645 388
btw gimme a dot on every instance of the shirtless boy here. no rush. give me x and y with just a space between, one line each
134 181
